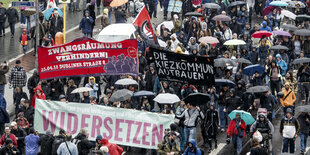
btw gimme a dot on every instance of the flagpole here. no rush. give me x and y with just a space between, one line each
64 23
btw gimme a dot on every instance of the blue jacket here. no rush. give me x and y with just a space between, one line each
86 25
32 144
2 101
266 28
4 116
281 64
191 150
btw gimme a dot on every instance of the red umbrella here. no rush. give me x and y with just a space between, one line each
260 34
269 9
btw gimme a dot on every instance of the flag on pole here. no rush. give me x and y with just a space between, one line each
143 21
51 4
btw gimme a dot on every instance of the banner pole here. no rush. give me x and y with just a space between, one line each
64 23
138 69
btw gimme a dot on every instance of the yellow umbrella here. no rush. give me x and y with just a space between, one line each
116 3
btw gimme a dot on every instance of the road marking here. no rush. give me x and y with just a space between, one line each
307 149
220 146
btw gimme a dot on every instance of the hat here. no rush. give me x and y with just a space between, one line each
62 97
17 61
106 11
8 141
175 16
104 149
289 110
13 124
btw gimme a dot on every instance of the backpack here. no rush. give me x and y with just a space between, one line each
56 143
77 142
106 2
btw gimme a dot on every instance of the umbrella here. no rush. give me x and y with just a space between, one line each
126 81
47 13
193 14
293 4
168 24
301 61
224 62
250 70
116 3
212 6
234 42
30 11
221 18
236 3
208 40
289 27
288 14
221 82
245 116
282 33
121 95
260 34
143 93
302 32
197 98
258 89
269 9
278 47
161 43
243 61
81 89
303 108
302 17
166 98
278 3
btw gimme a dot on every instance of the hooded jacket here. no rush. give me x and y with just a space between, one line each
94 86
304 125
262 126
291 98
265 27
192 150
281 64
42 96
304 76
84 145
289 127
33 81
113 148
231 130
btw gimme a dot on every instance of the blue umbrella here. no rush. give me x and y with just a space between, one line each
143 93
278 3
221 82
245 116
50 11
250 70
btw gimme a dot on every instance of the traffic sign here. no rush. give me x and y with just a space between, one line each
23 4
64 1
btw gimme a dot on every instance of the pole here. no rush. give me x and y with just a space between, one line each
64 22
37 33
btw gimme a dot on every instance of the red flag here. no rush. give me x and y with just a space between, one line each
143 21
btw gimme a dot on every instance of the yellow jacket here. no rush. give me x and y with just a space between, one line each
291 98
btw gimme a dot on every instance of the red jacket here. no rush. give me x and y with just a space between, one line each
231 130
35 96
11 136
113 148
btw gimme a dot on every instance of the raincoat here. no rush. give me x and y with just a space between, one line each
282 64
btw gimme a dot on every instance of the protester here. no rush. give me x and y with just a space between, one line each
58 140
24 40
3 70
46 143
256 148
32 142
86 25
236 131
211 125
168 145
82 142
112 148
289 129
28 112
67 147
2 18
288 99
120 16
304 78
9 148
192 149
56 24
17 76
13 17
304 122
39 94
20 136
8 135
32 83
5 118
105 18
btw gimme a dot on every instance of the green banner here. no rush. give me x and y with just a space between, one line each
121 126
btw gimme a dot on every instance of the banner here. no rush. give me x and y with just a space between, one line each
86 57
175 6
179 67
121 126
143 21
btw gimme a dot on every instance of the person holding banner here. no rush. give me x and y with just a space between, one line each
169 146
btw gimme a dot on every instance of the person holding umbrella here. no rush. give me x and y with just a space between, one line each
236 131
210 125
223 96
303 75
191 114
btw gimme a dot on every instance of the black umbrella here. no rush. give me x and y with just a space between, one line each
221 18
224 62
222 82
243 61
302 32
121 95
193 14
278 47
197 98
301 61
212 6
236 3
302 17
289 27
303 108
258 89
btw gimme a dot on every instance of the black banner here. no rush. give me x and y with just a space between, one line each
171 66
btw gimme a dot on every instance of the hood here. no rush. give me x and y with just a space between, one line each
264 23
278 56
99 137
24 30
261 115
104 141
193 142
204 26
173 35
194 40
106 11
38 87
91 78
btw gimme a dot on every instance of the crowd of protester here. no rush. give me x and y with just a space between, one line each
284 79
